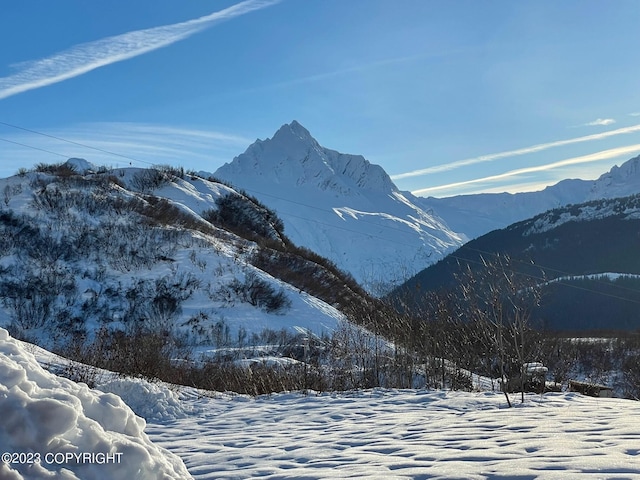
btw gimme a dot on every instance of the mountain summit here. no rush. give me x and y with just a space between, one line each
293 155
341 206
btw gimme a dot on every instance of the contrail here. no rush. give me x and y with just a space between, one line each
594 157
512 153
85 57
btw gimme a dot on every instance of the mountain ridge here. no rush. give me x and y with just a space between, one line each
477 214
292 154
584 257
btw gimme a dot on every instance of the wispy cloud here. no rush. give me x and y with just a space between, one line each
142 144
355 68
85 57
513 153
594 157
600 122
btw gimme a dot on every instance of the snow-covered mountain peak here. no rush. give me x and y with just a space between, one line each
341 206
475 215
293 131
628 172
292 157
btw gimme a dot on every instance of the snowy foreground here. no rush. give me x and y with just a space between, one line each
385 434
406 435
51 427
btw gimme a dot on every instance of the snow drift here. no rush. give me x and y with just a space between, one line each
54 427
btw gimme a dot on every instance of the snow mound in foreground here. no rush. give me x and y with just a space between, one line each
151 401
53 427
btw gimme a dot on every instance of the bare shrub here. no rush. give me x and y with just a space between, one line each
58 169
247 217
148 180
80 373
177 172
138 353
257 292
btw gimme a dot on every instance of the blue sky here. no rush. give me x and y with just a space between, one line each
448 96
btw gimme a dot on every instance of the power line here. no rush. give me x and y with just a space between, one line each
259 193
546 268
70 142
560 281
320 209
388 227
349 230
35 148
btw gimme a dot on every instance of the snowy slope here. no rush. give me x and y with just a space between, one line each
579 246
54 428
88 258
475 215
341 206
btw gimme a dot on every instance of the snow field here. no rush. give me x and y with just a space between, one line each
383 434
373 434
46 419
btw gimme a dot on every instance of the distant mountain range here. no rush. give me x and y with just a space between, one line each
342 207
585 257
475 215
348 210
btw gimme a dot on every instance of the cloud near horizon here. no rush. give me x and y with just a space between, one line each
593 157
86 57
445 167
600 122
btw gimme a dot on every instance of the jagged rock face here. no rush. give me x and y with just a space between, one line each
341 206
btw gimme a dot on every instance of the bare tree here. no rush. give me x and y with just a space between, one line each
497 299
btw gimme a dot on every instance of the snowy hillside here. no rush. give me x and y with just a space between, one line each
84 249
475 215
589 250
342 207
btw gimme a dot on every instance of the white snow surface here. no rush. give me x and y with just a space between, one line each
371 434
407 434
342 207
52 417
